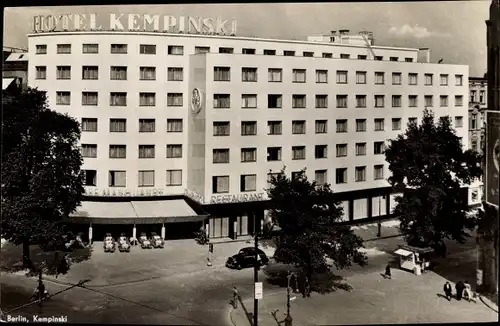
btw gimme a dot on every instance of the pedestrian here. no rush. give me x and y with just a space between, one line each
307 287
447 290
459 287
467 291
387 271
235 297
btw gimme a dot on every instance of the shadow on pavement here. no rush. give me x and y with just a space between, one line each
249 315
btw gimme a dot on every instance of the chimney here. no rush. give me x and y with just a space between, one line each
426 53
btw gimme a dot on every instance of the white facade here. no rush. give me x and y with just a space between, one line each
197 136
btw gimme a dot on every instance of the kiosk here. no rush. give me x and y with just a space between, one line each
414 259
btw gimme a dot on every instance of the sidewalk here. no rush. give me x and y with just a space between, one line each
406 298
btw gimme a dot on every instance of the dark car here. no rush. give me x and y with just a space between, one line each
246 258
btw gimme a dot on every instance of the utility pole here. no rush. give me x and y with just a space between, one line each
256 274
288 318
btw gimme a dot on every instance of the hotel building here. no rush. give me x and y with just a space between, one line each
180 128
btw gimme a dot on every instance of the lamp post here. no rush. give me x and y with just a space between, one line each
379 225
288 318
256 273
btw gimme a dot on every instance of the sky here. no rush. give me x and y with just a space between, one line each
454 30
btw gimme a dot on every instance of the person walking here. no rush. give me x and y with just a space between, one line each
467 291
235 297
447 290
460 289
388 271
307 287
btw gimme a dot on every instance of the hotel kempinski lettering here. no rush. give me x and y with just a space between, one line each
134 22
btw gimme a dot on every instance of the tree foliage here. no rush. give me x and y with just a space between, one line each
429 166
307 215
41 180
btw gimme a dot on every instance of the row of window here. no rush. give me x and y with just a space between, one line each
120 125
116 73
474 99
93 48
119 178
249 101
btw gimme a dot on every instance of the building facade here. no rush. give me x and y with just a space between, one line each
14 68
209 117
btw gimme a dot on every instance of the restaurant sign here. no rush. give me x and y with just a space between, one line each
124 192
133 22
238 198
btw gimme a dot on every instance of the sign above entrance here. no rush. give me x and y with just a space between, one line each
133 22
238 198
124 192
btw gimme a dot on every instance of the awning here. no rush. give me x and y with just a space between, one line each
403 252
166 211
6 82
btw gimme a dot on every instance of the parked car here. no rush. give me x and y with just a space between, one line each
109 243
123 243
157 241
145 242
246 258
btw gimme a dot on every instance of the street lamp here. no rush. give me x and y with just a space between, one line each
288 318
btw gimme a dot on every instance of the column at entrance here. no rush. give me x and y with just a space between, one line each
90 234
163 231
134 235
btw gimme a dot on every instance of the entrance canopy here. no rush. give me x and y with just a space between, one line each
136 212
403 252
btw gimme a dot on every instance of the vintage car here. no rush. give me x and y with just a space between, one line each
157 241
109 243
246 258
123 243
145 242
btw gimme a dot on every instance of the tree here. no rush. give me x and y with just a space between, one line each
308 216
41 178
429 166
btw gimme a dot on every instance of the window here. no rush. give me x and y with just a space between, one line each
222 101
408 59
220 184
89 124
271 176
90 72
341 101
360 77
89 177
174 99
248 128
175 50
360 149
473 121
174 177
320 151
248 182
428 100
308 54
459 122
249 101
147 99
345 56
361 101
443 80
201 49
341 77
226 50
341 150
428 79
269 52
299 75
396 101
90 48
378 172
412 101
379 78
274 127
412 120
175 74
412 79
396 78
174 125
146 151
379 124
63 98
249 74
320 177
458 80
298 127
64 48
274 101
321 101
459 100
360 173
146 178
222 74
221 128
473 96
147 49
147 73
248 51
379 58
443 100
275 75
298 152
341 125
341 175
63 72
89 98
474 146
117 178
118 73
298 101
362 57
396 123
119 48
41 72
117 151
393 59
379 101
321 76
274 153
481 97
174 151
360 125
289 53
249 155
41 49
117 125
146 125
321 126
89 150
327 55
378 147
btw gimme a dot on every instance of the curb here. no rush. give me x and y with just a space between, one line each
487 302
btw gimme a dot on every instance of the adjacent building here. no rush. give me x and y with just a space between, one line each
14 68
